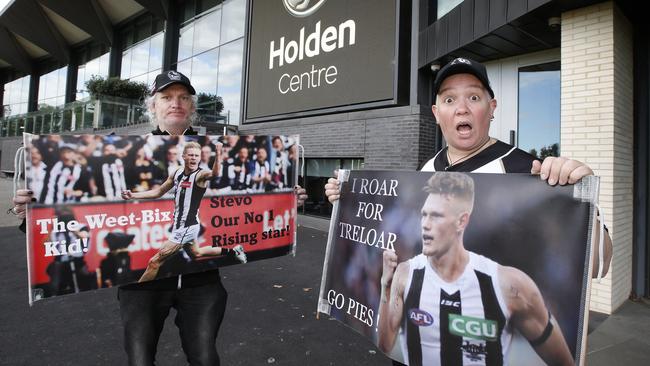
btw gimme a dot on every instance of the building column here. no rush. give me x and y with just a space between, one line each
172 34
597 127
115 56
71 80
32 100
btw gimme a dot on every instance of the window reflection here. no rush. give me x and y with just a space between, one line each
204 72
229 83
445 6
94 67
539 109
234 12
51 88
206 32
211 50
143 58
16 96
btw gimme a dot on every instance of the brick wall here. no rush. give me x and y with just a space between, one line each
596 120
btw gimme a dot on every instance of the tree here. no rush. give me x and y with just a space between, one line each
546 151
115 87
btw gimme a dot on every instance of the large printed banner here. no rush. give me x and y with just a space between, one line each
113 210
455 268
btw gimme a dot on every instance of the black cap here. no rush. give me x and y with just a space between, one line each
462 66
117 240
167 78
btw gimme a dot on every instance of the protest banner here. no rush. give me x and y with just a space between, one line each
112 210
435 268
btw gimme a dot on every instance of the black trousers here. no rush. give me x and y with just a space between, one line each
200 311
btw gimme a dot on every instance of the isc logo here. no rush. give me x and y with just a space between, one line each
470 327
420 318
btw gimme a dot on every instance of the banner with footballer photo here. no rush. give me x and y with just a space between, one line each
112 210
457 268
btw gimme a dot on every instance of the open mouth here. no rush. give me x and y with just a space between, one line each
464 128
426 239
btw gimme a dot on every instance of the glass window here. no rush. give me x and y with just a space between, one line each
539 110
445 6
204 72
16 96
156 51
51 89
211 49
94 67
233 26
143 58
206 32
229 82
185 42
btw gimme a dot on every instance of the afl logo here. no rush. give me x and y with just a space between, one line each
420 318
302 8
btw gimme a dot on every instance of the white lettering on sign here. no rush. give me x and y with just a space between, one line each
329 40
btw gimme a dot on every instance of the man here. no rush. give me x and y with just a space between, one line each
59 182
199 298
189 183
464 107
447 286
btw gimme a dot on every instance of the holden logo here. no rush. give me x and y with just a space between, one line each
302 8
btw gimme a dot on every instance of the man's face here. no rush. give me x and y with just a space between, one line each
277 144
463 110
67 157
243 154
109 150
173 107
36 157
172 154
441 224
192 157
206 151
261 154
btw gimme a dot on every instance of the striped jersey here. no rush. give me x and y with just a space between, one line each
496 158
260 170
112 178
57 181
459 323
187 198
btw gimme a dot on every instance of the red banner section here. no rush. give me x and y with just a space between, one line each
259 222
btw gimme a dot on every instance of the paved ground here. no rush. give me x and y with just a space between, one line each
270 320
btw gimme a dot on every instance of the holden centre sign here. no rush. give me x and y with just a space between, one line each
313 56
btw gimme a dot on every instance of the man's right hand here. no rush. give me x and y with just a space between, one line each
20 200
333 188
390 264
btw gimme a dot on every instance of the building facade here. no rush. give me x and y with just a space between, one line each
353 79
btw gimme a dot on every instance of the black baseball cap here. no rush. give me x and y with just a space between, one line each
462 65
167 78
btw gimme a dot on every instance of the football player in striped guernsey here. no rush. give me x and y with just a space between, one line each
189 183
456 307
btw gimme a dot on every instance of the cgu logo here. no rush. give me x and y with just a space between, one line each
420 318
474 328
186 184
301 8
